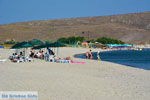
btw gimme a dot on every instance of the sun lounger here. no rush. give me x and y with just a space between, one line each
78 62
63 61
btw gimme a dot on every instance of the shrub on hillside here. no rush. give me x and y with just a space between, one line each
105 40
71 40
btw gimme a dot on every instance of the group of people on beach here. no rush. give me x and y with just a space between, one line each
40 54
89 55
19 57
47 55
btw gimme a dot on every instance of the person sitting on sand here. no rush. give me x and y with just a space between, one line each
38 54
68 58
21 54
32 53
42 54
15 57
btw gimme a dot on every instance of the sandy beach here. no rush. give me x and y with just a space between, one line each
94 80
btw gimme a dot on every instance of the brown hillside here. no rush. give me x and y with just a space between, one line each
132 28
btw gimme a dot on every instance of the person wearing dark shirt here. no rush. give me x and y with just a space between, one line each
50 51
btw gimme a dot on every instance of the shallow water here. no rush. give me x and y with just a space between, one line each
138 59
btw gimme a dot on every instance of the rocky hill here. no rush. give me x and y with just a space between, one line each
131 28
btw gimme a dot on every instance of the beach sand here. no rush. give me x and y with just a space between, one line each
94 80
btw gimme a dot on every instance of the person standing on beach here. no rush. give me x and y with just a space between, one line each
46 56
98 55
89 55
50 51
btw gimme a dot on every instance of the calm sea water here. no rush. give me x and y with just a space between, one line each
138 59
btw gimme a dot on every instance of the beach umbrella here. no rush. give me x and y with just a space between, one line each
54 44
21 45
45 45
51 45
39 47
36 42
27 45
57 45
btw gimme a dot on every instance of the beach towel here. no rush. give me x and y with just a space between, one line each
78 62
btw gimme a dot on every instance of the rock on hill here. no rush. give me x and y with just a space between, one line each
132 28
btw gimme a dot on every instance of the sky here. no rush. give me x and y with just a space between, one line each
12 11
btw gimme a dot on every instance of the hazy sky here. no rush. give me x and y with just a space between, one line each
27 10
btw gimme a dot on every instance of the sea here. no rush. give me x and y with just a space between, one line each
133 58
